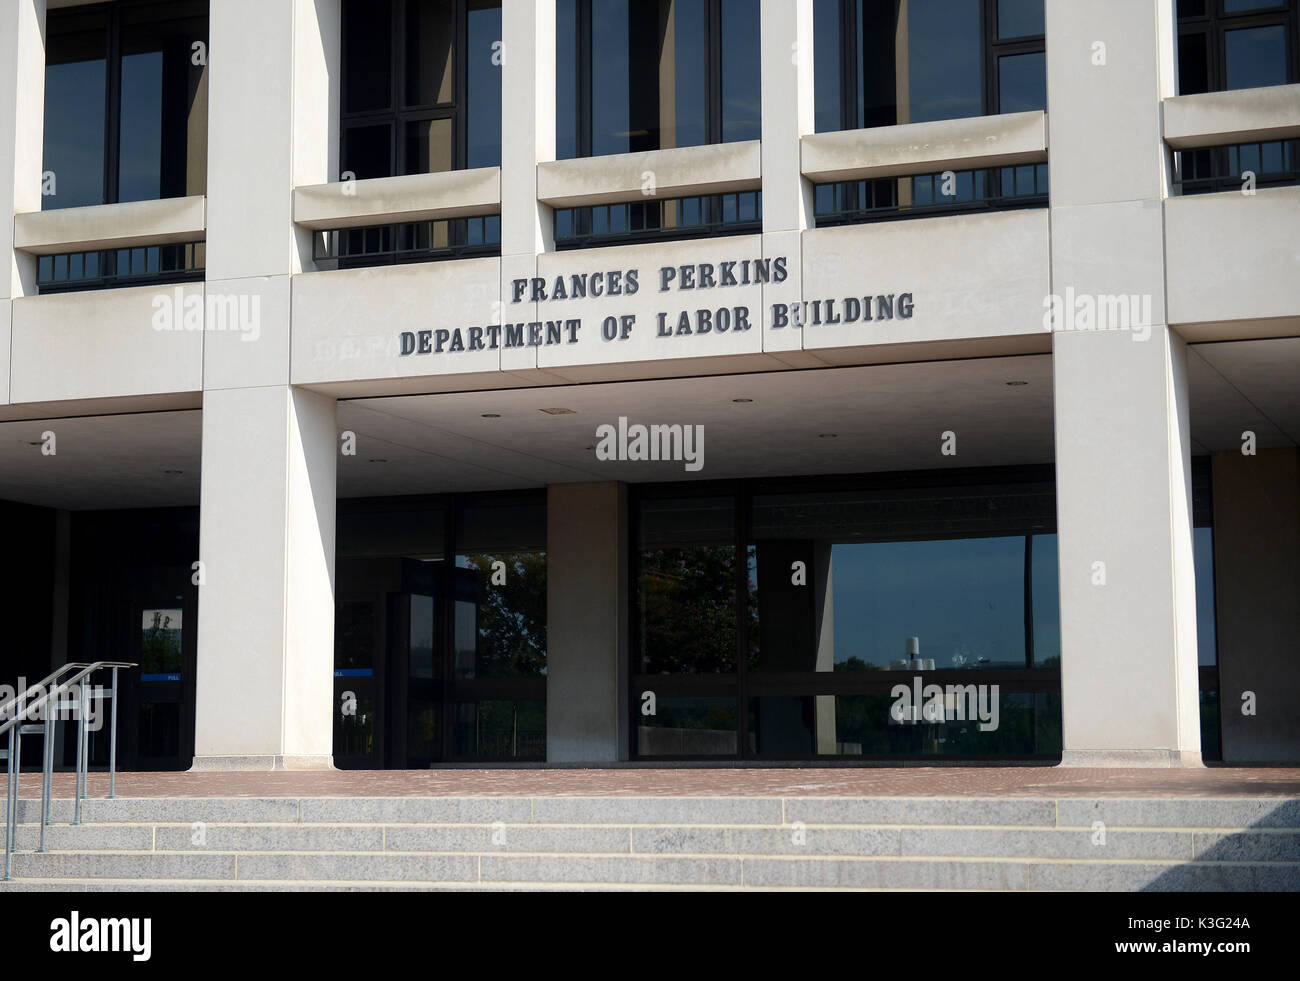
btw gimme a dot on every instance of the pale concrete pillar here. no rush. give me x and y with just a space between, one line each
786 43
1128 623
266 599
527 139
22 126
1257 595
586 614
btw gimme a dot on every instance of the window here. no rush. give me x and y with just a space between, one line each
637 75
421 86
440 631
774 618
923 195
887 62
126 114
1237 44
737 213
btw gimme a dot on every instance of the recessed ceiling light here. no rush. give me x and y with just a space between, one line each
491 415
559 412
1017 384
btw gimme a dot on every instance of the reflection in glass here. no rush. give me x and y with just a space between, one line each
368 34
1001 722
689 726
75 91
501 729
430 61
1022 82
686 586
429 147
483 74
160 646
649 68
741 88
1256 56
1020 18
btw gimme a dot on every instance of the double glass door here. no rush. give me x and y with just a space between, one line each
440 633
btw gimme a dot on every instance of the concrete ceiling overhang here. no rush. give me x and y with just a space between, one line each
823 421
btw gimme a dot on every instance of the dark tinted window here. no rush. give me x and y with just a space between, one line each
422 86
635 75
889 62
146 63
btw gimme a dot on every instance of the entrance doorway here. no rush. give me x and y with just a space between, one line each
440 631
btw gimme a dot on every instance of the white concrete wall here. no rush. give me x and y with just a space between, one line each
266 611
1128 626
101 344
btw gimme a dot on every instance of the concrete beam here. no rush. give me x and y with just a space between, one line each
919 148
680 172
1240 116
391 200
112 226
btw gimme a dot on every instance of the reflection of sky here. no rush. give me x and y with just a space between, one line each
1256 57
962 598
483 111
141 154
609 74
945 55
741 86
74 133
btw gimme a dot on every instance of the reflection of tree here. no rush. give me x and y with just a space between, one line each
160 649
512 616
688 613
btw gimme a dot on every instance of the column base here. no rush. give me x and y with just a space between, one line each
1119 758
216 764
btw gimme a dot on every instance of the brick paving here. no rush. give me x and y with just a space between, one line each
908 781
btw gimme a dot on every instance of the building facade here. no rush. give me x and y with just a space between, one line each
419 382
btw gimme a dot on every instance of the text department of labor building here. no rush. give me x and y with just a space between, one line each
420 382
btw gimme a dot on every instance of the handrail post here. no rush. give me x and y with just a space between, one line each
112 742
47 770
11 803
81 750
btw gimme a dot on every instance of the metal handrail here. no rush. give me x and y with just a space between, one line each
43 683
15 729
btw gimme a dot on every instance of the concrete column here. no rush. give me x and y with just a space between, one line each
1257 596
586 613
527 139
22 125
788 115
266 538
1128 624
266 600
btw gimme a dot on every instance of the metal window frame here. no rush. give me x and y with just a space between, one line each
854 212
398 113
458 246
1216 22
994 48
1223 177
584 82
738 685
112 80
110 276
714 225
